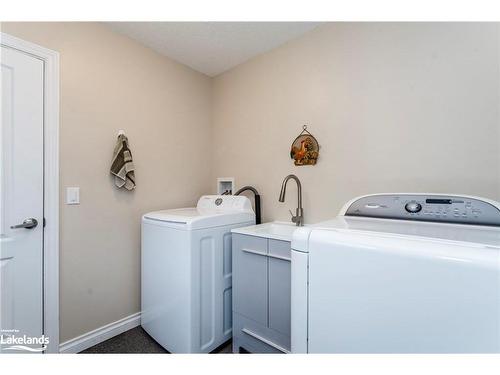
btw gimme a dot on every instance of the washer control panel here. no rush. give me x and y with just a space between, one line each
425 207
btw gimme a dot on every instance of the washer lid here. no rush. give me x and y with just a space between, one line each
473 234
211 211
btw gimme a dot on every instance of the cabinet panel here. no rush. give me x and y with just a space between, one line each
245 344
250 277
280 249
279 295
257 338
261 293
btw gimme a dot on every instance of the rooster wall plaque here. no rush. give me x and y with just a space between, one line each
305 148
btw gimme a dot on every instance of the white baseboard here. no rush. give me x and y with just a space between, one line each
101 334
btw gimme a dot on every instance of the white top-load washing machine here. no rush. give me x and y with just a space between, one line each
399 273
186 272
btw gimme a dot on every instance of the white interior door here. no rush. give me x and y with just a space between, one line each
21 199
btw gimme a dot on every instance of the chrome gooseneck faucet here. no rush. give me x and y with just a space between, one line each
298 219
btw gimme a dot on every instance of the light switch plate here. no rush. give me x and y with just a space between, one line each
73 195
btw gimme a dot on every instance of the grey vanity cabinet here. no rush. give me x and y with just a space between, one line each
279 286
250 277
261 294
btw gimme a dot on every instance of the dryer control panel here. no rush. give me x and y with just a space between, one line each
224 203
426 207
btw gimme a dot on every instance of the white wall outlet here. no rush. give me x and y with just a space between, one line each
73 195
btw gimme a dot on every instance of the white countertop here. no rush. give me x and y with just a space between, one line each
277 230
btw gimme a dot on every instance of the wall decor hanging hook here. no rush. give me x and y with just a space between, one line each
304 130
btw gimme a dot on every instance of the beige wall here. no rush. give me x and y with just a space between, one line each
109 82
395 107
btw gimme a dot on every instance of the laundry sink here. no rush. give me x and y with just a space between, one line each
276 230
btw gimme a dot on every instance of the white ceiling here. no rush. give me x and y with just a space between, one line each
212 47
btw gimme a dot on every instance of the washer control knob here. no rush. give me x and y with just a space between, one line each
413 207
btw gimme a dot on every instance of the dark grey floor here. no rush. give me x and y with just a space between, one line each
137 341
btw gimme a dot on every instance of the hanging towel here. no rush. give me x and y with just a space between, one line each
122 166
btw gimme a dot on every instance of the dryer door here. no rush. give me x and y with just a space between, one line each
372 293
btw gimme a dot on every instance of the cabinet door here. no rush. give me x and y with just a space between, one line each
250 277
279 286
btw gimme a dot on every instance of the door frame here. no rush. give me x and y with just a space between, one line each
50 59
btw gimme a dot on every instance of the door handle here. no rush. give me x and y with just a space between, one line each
29 223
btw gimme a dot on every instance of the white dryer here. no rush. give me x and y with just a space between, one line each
399 273
186 273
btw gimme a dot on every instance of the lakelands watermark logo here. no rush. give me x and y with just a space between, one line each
11 340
